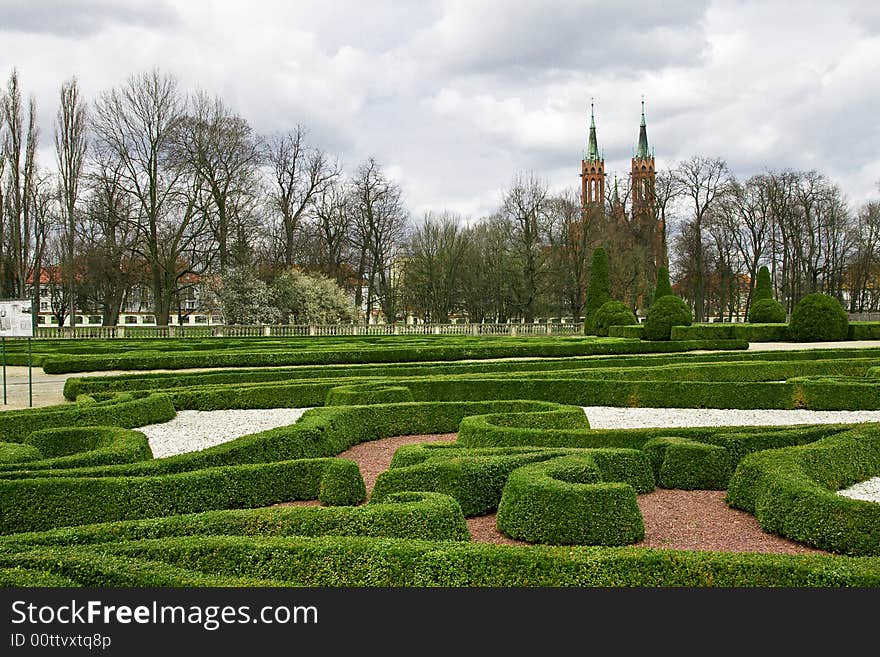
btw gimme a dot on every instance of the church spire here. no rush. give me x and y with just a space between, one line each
642 151
593 149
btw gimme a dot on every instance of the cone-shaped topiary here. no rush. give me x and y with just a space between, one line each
664 313
767 311
613 313
598 289
763 286
819 317
663 287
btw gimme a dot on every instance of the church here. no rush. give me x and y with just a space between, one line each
627 225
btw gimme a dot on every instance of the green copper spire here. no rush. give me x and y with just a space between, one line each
642 151
593 150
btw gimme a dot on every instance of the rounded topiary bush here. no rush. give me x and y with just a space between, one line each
613 313
819 318
767 311
665 313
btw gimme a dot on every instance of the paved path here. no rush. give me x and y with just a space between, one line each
794 346
47 388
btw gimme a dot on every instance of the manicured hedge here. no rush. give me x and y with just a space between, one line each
123 412
23 577
560 347
483 431
635 332
836 393
687 464
43 503
367 393
733 331
476 478
359 561
863 331
475 481
77 447
242 378
792 491
566 501
14 454
83 568
428 516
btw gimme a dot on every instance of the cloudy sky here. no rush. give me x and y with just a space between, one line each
455 97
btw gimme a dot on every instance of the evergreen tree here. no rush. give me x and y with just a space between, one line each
763 286
598 288
663 287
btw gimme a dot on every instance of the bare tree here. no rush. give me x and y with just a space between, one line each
489 271
44 220
525 208
19 152
745 215
380 220
432 273
332 228
70 151
864 263
136 124
571 234
300 173
703 182
109 239
664 194
221 149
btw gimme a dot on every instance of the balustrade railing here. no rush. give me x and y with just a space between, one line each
304 330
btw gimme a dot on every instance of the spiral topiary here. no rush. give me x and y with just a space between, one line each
819 318
663 314
612 313
767 311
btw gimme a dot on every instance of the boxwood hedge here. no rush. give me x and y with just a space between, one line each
792 491
42 503
567 501
362 561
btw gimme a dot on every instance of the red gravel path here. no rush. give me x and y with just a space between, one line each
674 519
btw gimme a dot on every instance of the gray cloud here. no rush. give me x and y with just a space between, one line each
513 39
456 97
81 18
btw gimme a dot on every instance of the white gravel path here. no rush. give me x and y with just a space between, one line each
611 417
192 431
866 490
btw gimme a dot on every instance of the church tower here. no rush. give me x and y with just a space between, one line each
643 174
593 171
644 212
